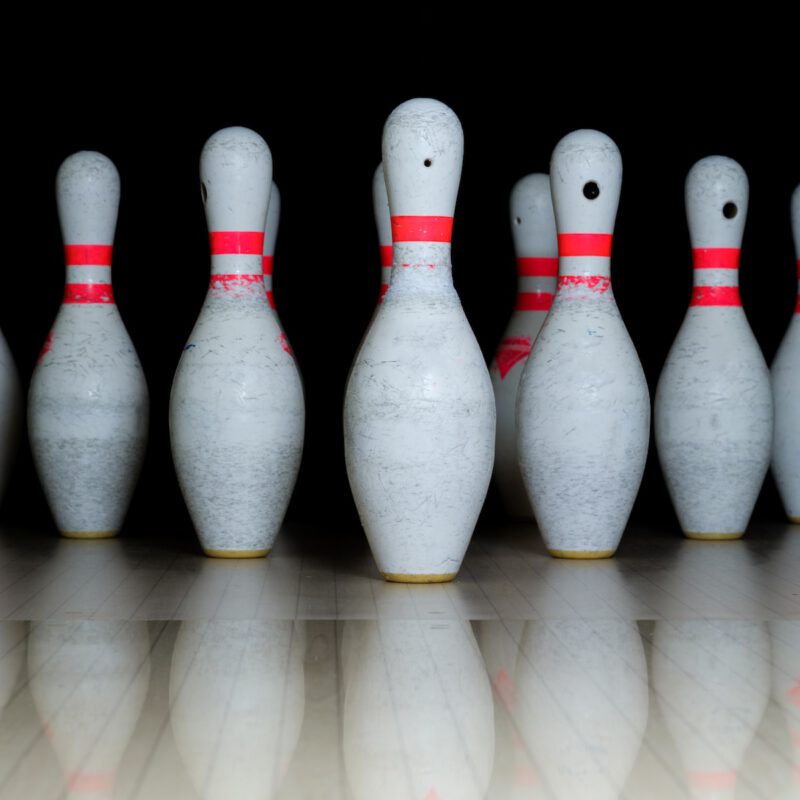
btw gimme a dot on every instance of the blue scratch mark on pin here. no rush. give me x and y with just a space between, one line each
189 347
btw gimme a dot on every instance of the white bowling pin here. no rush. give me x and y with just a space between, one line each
533 228
383 222
236 704
88 400
713 408
419 416
582 704
89 681
712 681
236 409
786 394
418 717
10 412
583 407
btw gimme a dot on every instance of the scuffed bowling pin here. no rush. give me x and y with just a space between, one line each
786 394
583 407
236 409
383 222
533 228
712 680
419 417
713 408
88 400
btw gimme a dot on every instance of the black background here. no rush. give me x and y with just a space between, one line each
325 140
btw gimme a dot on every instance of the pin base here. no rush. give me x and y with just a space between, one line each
794 520
710 537
89 534
237 553
399 577
582 554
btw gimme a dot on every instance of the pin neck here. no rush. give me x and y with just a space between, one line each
423 266
422 229
237 253
88 274
536 282
584 262
716 276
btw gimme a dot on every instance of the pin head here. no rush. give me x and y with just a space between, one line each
585 180
273 221
716 202
87 196
235 177
796 219
533 224
423 148
380 202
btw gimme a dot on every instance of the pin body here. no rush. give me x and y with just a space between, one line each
236 409
583 407
713 409
533 227
419 417
88 401
786 393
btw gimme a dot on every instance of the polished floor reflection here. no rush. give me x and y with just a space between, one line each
400 709
670 672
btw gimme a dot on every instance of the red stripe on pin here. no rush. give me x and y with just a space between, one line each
715 257
229 281
534 301
572 245
422 229
510 352
595 283
537 267
88 293
384 289
271 298
88 255
386 255
715 296
236 243
266 263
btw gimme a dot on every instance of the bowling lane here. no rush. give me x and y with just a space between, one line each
557 708
507 574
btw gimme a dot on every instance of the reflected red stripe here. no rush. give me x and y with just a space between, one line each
88 293
715 296
386 255
537 267
534 301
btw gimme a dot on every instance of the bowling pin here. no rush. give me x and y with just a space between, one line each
89 681
712 680
10 412
786 391
713 408
236 409
583 407
533 228
419 413
383 221
270 238
418 714
236 704
88 400
582 704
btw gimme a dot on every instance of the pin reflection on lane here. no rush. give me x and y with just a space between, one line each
418 718
89 681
